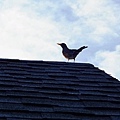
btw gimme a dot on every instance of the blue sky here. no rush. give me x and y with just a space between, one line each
30 29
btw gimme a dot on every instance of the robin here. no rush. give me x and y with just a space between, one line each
70 53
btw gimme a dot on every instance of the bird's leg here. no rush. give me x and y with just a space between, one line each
74 59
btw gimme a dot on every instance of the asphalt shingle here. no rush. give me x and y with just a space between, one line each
33 90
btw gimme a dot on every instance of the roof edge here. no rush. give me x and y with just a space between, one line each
37 61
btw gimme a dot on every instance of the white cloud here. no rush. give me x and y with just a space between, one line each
25 37
98 18
109 61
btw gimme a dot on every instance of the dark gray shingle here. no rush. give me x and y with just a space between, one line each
33 90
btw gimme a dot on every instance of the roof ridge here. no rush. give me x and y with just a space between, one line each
45 61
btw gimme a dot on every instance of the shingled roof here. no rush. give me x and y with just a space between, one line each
34 90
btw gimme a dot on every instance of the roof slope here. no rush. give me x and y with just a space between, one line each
31 90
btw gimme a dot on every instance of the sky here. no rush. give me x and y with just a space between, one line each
31 29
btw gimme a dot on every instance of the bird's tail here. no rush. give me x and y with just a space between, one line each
83 47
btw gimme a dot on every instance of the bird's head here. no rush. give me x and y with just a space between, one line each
63 45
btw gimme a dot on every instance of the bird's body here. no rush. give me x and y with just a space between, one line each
70 53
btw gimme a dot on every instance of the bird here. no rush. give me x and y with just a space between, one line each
70 53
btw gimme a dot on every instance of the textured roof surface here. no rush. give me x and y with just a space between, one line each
33 90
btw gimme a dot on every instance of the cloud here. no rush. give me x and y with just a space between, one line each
98 18
109 61
25 37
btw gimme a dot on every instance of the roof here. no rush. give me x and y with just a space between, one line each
33 90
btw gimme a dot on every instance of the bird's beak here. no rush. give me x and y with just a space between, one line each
58 43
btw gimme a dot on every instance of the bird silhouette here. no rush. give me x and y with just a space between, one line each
70 53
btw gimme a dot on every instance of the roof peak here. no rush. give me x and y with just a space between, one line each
66 65
39 61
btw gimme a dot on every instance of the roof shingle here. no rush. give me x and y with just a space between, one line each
33 90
